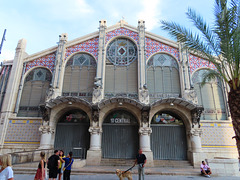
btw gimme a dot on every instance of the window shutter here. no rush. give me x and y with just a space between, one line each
109 79
167 80
132 78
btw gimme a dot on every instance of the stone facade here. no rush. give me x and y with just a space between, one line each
204 139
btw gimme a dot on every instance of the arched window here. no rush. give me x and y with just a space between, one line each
121 69
80 72
163 77
34 92
210 96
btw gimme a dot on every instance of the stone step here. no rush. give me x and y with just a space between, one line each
117 162
111 170
172 163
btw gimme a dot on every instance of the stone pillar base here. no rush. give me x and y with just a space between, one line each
196 159
94 157
149 156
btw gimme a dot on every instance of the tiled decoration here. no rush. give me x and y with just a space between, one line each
90 46
23 132
122 32
218 135
153 46
47 61
197 62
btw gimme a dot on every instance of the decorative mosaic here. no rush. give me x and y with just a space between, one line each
122 32
197 62
23 132
90 46
217 135
153 46
47 61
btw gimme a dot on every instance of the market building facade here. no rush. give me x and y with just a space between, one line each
111 92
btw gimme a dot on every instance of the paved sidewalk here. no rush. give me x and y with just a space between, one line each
111 170
135 177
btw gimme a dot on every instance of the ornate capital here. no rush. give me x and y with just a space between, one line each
196 114
145 131
95 130
195 132
45 128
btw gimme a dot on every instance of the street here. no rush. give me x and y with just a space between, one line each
135 177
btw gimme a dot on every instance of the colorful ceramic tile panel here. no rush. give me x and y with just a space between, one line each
153 46
90 46
23 132
122 32
47 61
216 135
197 62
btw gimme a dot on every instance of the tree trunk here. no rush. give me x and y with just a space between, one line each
234 106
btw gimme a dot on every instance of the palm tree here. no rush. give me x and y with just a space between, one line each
220 45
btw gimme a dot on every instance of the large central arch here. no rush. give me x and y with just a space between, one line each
120 138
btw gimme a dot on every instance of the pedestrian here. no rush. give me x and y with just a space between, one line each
62 163
53 164
68 166
6 172
40 175
141 161
205 169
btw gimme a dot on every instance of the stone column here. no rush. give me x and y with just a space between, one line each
196 146
94 154
144 136
98 91
142 86
57 78
46 135
95 141
12 89
195 138
145 133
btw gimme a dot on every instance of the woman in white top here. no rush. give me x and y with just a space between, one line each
6 172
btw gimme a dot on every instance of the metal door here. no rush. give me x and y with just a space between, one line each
120 141
73 137
169 142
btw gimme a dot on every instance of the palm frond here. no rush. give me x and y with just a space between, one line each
209 36
210 75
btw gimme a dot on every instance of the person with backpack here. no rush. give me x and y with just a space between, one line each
68 166
53 164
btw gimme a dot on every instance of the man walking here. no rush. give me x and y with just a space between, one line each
53 164
141 161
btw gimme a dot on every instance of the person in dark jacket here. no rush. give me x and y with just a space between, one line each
141 161
53 164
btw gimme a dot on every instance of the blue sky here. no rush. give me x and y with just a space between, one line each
41 21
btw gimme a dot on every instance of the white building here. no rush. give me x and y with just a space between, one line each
111 92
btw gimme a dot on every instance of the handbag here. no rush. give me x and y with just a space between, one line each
67 166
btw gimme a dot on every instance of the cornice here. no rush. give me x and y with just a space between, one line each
161 39
82 39
41 54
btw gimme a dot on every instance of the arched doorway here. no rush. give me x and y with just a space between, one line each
72 133
120 138
168 139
